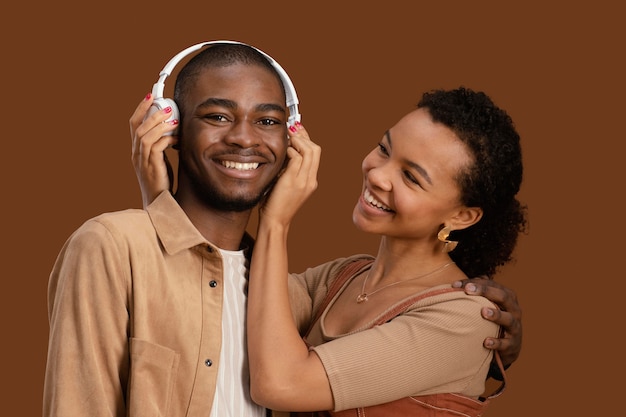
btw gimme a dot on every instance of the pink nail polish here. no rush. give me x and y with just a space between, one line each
148 96
167 109
292 129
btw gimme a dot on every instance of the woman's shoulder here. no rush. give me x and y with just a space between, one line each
331 268
446 294
450 305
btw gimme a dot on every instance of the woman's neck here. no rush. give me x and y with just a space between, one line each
400 260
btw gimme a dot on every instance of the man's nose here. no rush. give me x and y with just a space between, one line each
243 134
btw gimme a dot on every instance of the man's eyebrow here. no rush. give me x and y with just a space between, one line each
412 164
263 107
230 104
221 102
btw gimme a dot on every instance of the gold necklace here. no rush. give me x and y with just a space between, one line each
365 296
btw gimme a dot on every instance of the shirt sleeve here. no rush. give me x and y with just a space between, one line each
87 365
434 347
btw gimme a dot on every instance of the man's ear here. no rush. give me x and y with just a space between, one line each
466 217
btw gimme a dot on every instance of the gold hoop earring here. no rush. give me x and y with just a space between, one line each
448 245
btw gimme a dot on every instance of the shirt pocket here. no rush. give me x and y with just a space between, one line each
152 379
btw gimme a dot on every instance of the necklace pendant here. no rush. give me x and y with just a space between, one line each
361 298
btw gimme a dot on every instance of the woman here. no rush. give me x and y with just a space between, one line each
440 191
447 172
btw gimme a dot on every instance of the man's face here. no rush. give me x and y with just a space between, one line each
234 136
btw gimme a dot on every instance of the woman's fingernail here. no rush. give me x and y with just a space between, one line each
168 109
292 129
148 96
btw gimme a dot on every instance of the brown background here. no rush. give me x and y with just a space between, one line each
73 72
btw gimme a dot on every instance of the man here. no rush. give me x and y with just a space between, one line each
147 308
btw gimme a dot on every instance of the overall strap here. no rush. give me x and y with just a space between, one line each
404 305
346 273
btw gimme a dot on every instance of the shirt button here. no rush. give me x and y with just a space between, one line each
208 362
213 284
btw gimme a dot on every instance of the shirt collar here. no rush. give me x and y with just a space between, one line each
172 225
176 232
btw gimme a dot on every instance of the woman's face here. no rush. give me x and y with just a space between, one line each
409 187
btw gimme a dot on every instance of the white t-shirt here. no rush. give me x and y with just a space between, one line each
232 394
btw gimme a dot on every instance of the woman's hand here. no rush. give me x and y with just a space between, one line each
297 181
149 143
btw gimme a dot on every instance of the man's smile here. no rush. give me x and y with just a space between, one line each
241 166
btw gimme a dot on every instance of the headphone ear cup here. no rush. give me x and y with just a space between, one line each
162 103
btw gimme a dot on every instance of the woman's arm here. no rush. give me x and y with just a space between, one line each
285 375
149 143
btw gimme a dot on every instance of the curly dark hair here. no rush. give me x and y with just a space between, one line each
215 56
491 182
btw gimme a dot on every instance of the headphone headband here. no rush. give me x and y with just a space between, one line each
290 91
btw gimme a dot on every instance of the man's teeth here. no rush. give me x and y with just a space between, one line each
241 166
370 199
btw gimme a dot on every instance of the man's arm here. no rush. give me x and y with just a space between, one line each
509 316
87 367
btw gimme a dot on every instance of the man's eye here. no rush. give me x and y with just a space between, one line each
268 122
216 117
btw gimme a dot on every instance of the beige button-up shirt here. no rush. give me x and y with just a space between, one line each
135 301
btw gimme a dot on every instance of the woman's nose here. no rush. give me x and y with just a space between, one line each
379 177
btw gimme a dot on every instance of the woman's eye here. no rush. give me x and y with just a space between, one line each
411 178
382 149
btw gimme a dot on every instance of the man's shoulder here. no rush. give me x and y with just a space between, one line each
123 217
129 223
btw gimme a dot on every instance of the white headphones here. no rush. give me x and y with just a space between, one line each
161 103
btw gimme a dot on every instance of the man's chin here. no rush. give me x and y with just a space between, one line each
236 206
234 197
230 204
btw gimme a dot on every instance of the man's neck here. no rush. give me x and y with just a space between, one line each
223 229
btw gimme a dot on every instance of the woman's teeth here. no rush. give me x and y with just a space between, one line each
370 199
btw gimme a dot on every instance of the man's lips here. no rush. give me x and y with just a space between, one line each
240 167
